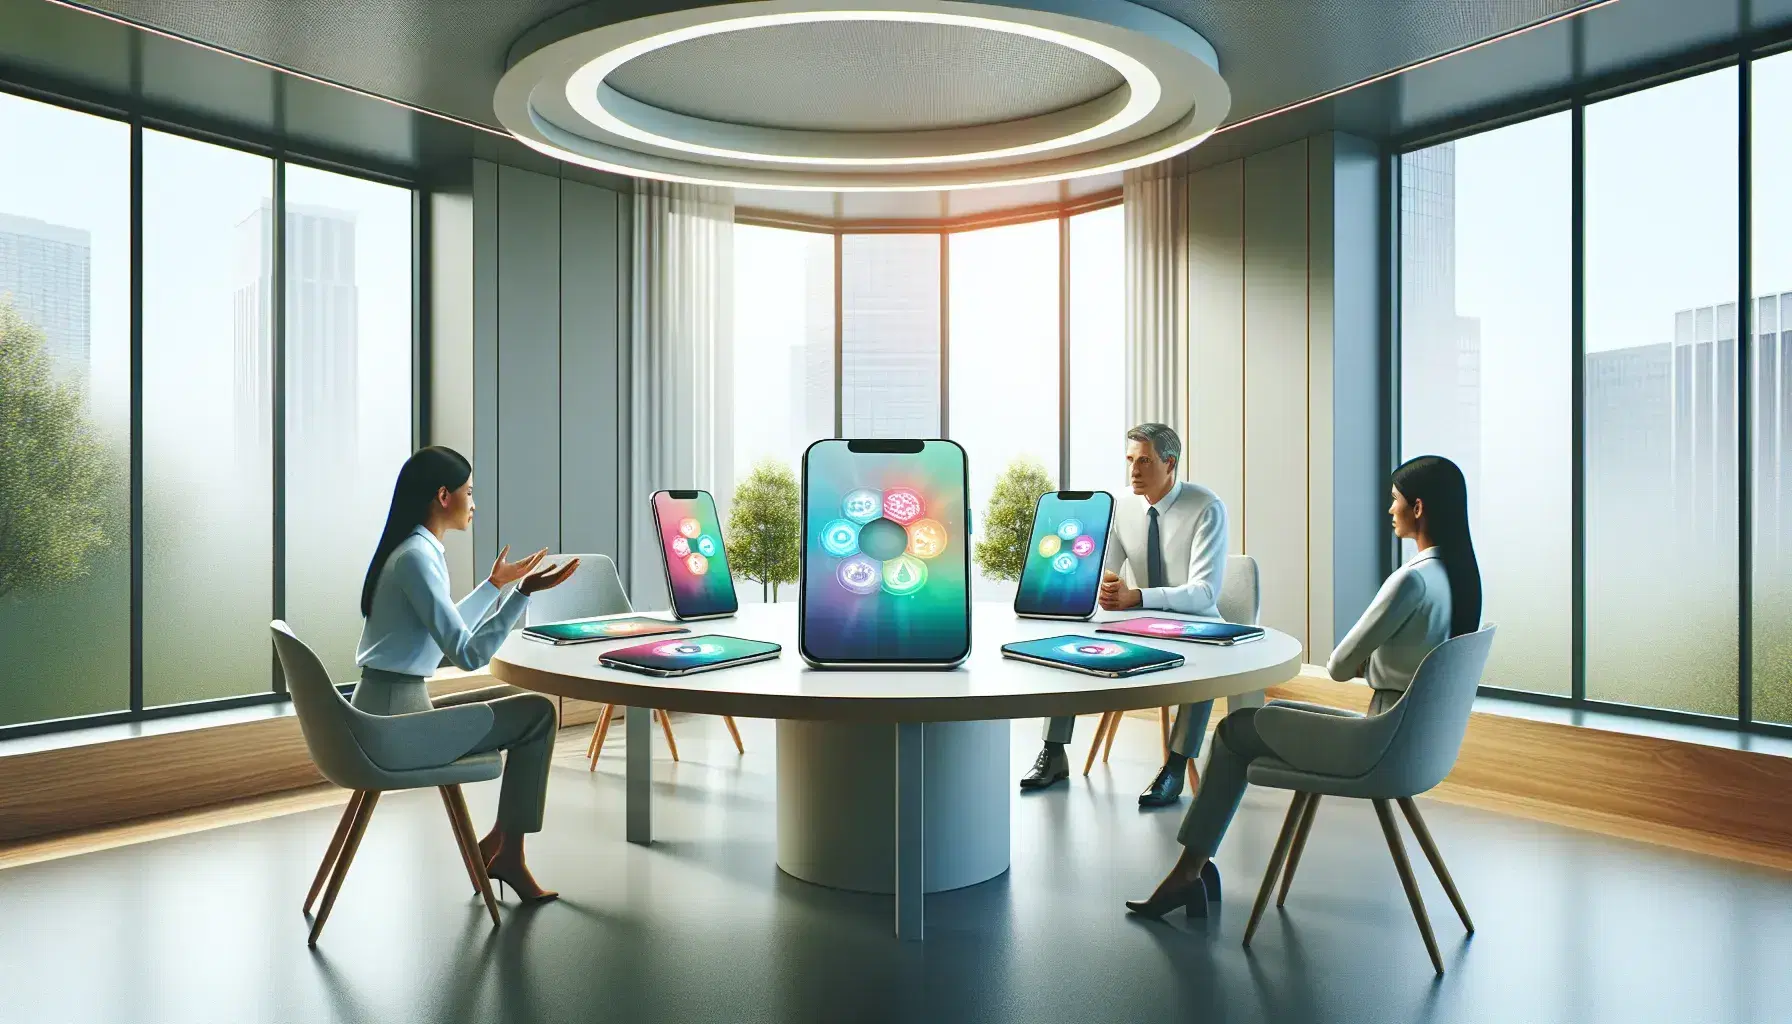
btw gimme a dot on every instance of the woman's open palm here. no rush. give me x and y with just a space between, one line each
549 578
505 572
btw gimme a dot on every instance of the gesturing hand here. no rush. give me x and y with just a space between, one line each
549 578
505 573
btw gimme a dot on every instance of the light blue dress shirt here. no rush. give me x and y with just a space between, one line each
413 623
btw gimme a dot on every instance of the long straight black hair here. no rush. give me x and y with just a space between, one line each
1438 483
425 473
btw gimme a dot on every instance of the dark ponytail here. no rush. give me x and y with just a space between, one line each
425 473
1438 483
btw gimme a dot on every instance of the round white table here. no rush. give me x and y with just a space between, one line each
888 781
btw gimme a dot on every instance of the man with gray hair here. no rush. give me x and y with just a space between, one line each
1172 538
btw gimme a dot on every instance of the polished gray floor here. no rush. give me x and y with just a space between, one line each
702 926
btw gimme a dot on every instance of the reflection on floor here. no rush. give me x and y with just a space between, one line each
703 927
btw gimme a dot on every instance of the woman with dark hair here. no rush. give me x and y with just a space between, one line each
1434 596
412 624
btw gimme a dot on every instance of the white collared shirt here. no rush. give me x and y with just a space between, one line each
1191 524
413 624
1408 619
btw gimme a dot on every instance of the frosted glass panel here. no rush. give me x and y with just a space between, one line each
890 359
1485 374
207 421
65 558
1661 462
1772 238
1004 356
348 394
1098 351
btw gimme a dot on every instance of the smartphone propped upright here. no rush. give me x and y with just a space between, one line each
885 559
1061 575
692 555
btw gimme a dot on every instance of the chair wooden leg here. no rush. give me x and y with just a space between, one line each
1427 844
1113 730
598 734
1101 730
468 856
1404 866
666 727
1163 727
1276 859
351 843
728 721
1300 843
1194 776
471 840
591 744
335 850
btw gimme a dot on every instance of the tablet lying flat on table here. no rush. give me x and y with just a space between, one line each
688 655
1092 656
1224 634
584 631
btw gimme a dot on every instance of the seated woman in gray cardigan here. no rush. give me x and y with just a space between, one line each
412 624
1434 596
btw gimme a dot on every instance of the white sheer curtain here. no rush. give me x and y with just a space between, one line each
1157 296
679 346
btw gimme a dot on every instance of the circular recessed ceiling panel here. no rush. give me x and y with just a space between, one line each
864 94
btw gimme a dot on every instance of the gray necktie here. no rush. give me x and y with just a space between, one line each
1154 553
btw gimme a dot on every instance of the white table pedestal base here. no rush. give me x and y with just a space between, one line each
842 786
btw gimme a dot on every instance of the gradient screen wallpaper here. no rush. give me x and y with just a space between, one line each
691 550
1063 566
682 654
1098 655
886 566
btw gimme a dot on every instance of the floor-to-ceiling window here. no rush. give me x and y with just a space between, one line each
1771 283
890 335
1097 368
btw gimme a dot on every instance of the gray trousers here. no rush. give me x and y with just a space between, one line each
1236 744
1186 729
523 727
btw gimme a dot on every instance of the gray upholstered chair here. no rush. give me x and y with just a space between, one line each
374 754
1393 756
596 589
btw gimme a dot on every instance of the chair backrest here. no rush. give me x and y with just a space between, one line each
596 589
323 713
1240 597
1434 716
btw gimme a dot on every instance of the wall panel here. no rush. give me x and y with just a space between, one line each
589 382
1215 445
528 442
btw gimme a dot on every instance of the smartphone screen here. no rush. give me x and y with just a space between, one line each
691 550
1087 652
1062 571
886 566
687 653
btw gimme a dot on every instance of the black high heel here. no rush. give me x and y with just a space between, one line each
1192 898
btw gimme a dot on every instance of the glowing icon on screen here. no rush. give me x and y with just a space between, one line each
686 649
1091 648
689 527
904 574
1083 546
1049 545
840 538
1065 562
696 563
706 545
926 538
860 575
681 547
902 505
863 505
1070 529
1166 628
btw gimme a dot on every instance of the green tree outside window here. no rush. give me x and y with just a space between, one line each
764 528
1008 521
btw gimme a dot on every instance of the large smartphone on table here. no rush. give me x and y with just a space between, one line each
692 554
687 655
1062 571
1092 656
885 562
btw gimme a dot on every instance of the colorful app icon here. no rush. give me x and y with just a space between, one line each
1065 562
1083 546
840 538
706 545
696 563
1090 648
904 574
1070 529
902 505
686 649
1049 545
926 538
689 527
860 575
680 546
863 505
1166 628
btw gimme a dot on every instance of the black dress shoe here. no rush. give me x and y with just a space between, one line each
1164 790
1051 767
